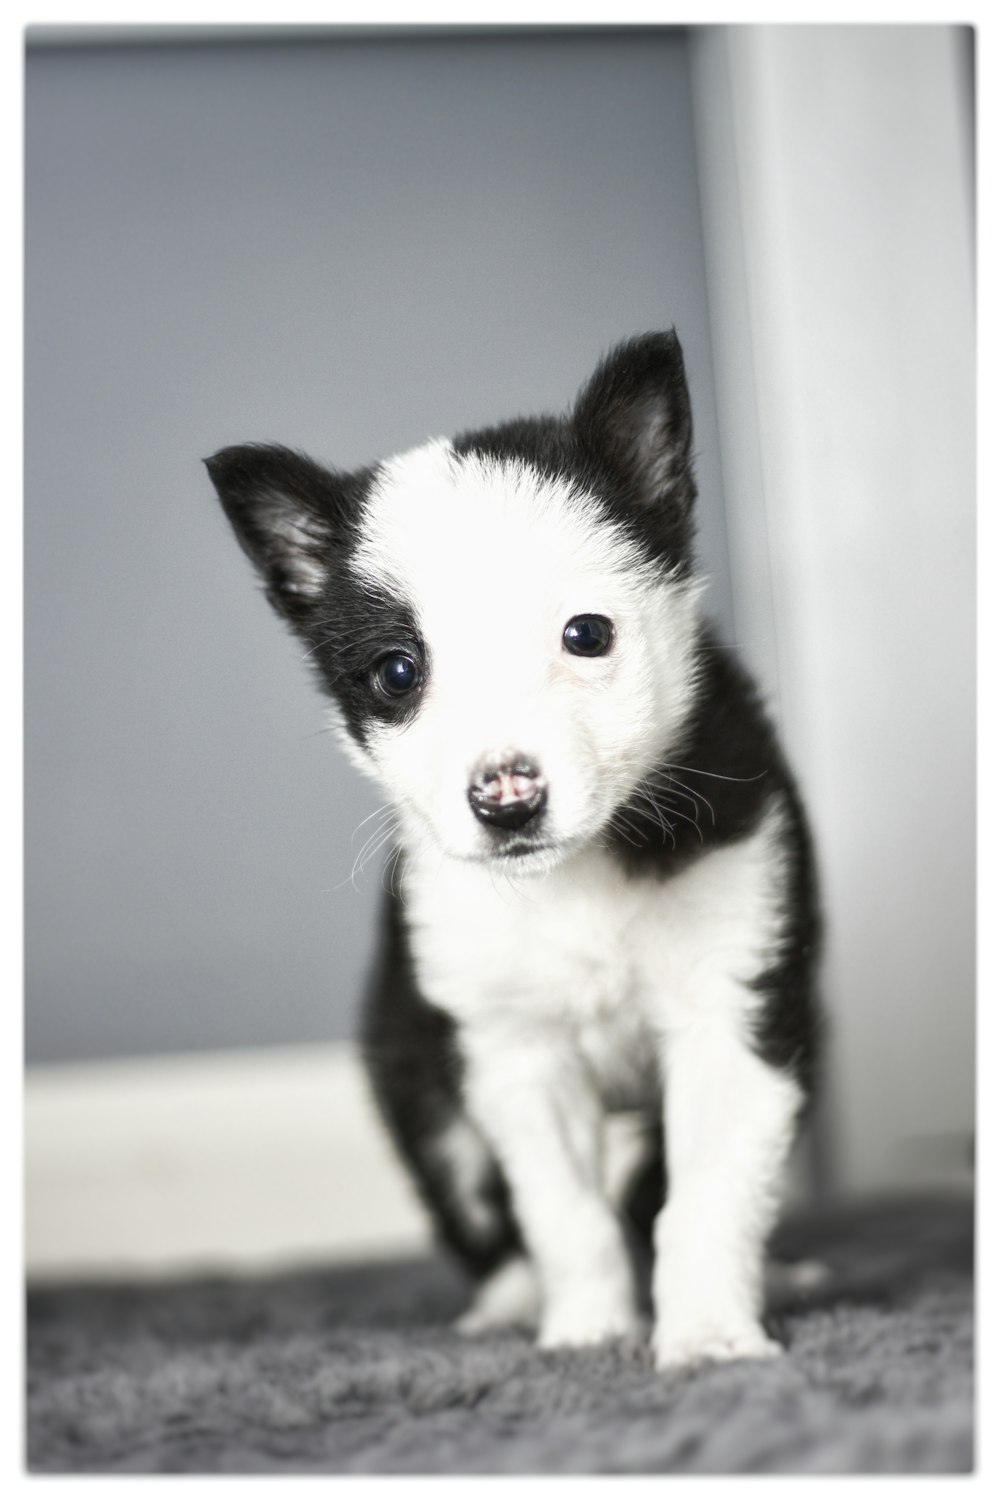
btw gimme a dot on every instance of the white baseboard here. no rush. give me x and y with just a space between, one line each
230 1161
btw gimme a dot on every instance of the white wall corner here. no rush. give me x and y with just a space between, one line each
835 167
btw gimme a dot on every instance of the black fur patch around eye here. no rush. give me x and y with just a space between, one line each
355 625
299 523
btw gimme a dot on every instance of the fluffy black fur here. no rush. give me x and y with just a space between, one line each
627 443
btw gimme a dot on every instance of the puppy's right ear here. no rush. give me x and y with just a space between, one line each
286 512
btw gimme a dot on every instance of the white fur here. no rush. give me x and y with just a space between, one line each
573 991
510 1295
495 561
576 988
465 1154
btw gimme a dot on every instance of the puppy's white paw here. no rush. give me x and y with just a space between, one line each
706 1342
510 1296
588 1314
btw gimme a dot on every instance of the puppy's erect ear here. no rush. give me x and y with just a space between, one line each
287 513
634 417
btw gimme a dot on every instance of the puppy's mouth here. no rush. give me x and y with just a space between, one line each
519 848
523 853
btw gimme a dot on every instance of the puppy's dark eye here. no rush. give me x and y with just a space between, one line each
587 635
397 674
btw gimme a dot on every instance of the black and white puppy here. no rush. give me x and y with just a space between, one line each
606 891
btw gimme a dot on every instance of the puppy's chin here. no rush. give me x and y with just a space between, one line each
526 859
518 856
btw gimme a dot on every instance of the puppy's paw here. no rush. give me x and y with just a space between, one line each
508 1298
707 1342
588 1314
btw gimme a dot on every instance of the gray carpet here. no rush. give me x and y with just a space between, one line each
356 1370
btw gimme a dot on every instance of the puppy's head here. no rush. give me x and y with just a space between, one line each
505 623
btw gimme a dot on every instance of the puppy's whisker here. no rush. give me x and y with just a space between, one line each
676 812
658 815
717 775
390 867
663 778
325 729
668 786
690 792
376 841
318 647
620 824
387 807
366 851
372 853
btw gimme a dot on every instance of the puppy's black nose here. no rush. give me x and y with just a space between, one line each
508 796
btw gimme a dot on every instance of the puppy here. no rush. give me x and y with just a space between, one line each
604 897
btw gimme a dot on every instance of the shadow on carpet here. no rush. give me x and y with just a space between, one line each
356 1370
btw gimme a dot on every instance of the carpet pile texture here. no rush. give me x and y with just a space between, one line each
357 1370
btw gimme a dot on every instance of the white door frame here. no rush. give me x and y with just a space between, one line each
837 201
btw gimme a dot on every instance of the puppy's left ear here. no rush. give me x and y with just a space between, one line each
634 417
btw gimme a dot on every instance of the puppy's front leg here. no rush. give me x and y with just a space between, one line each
533 1100
730 1120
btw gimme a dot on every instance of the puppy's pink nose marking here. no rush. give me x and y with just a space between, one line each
509 786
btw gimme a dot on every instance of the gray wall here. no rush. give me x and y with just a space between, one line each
345 246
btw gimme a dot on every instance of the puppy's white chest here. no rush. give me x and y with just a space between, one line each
556 961
561 948
587 949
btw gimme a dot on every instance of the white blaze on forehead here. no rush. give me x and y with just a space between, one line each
480 532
